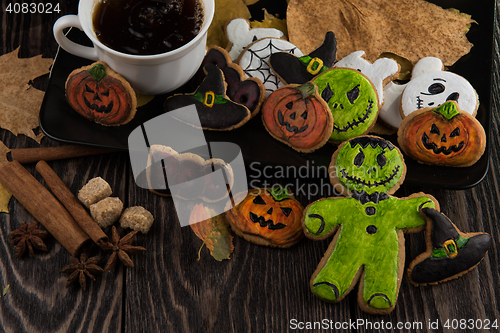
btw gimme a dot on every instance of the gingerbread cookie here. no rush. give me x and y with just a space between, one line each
429 86
100 94
254 60
215 110
268 217
297 116
443 135
186 176
240 35
381 72
450 252
352 99
291 69
368 225
248 92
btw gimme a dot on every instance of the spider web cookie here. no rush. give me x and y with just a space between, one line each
254 60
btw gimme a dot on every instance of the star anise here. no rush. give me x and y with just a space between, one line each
82 268
121 249
28 236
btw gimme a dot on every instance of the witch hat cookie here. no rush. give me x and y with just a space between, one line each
291 69
450 253
215 110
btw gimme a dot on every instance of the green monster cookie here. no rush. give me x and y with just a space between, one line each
368 225
352 99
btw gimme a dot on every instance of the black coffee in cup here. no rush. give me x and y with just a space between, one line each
146 27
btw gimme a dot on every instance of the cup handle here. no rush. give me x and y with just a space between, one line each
69 21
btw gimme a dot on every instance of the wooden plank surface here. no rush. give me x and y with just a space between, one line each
258 290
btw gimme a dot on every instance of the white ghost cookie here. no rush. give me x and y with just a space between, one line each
240 35
254 60
429 86
381 72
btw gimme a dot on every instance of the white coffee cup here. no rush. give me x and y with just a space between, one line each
149 74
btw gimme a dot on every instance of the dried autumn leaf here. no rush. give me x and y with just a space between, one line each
225 10
5 290
19 101
214 232
250 2
271 21
411 29
4 194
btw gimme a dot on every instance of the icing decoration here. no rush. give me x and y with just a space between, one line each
215 110
240 35
380 72
297 116
291 69
189 172
99 94
352 100
429 86
254 60
442 136
368 225
268 217
248 92
450 253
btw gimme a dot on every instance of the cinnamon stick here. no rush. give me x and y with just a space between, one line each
43 206
72 204
33 155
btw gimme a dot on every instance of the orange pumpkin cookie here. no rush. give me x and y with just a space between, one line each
269 217
99 94
442 136
298 116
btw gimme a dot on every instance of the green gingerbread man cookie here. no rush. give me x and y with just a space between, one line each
352 99
368 225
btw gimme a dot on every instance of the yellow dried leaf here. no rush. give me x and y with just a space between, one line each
143 99
412 29
405 65
4 194
19 101
271 21
250 2
225 10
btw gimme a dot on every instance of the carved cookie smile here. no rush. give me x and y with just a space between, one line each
265 223
367 183
441 150
360 120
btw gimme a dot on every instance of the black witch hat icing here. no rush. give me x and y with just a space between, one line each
451 253
292 69
215 110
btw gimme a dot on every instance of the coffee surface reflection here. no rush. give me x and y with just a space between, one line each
146 27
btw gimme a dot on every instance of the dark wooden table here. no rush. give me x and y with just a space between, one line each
258 290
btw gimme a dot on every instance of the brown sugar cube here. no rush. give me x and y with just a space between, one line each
94 191
137 218
107 211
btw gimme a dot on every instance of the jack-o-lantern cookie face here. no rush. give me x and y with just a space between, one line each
101 95
268 217
367 164
442 136
352 100
297 116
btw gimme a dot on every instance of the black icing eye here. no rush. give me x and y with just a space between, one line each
106 93
456 132
286 211
353 94
435 88
359 159
289 106
327 93
381 160
259 201
453 96
304 115
435 130
88 89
